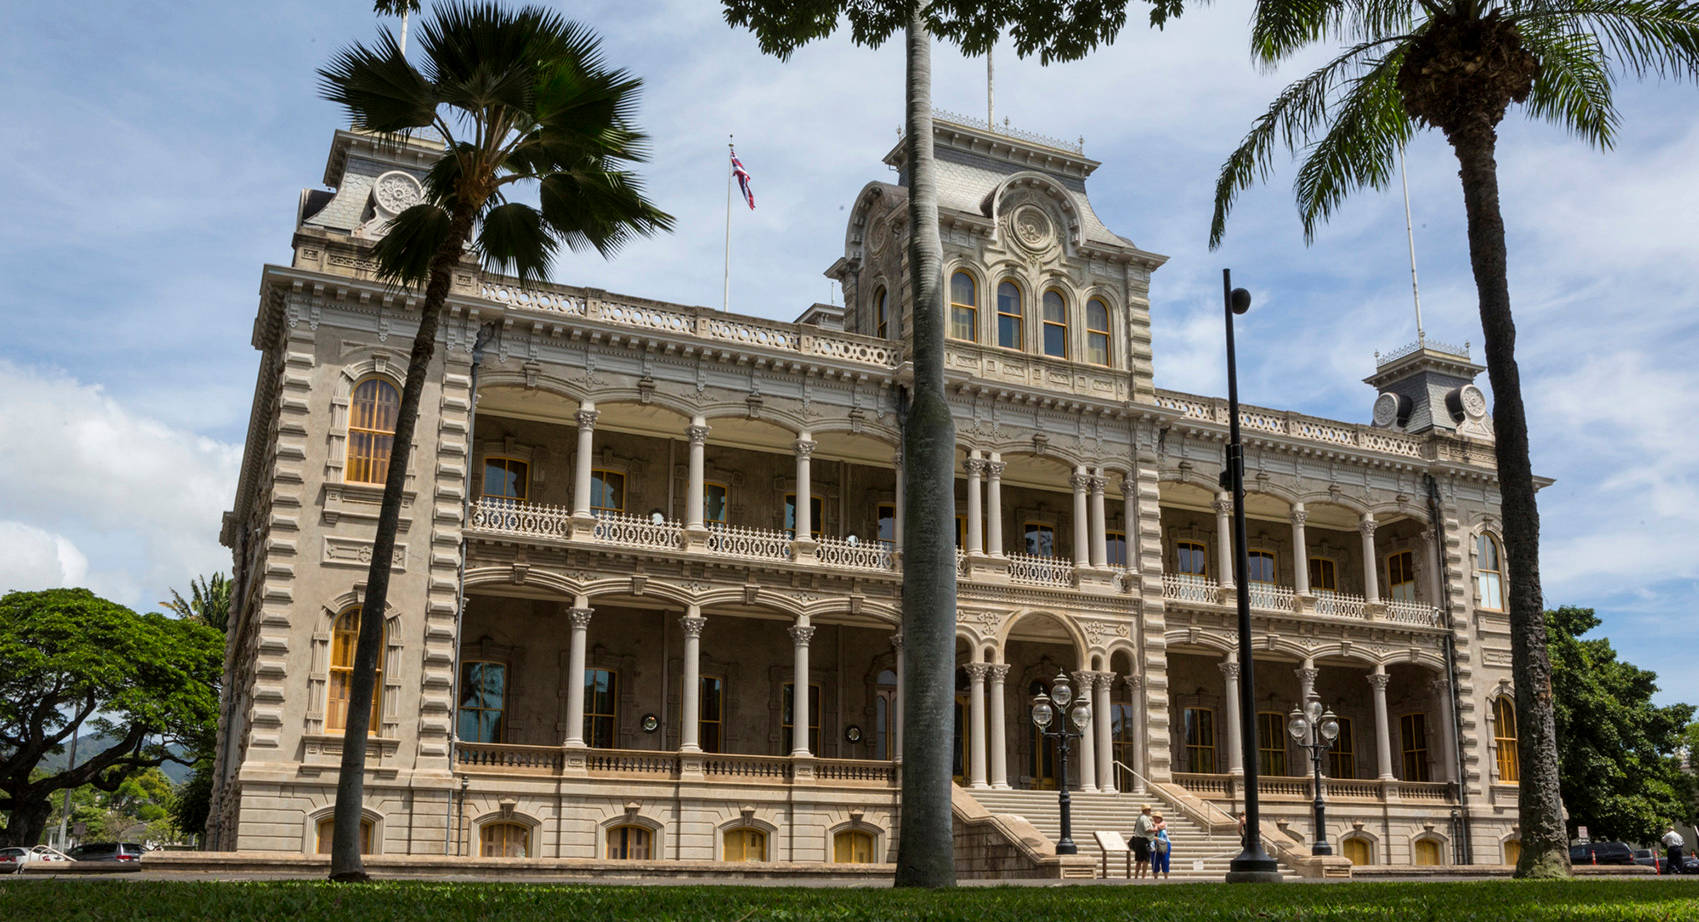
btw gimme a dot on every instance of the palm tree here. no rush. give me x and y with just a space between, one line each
208 602
1458 65
521 99
402 8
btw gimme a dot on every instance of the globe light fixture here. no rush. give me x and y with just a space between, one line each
1315 728
1075 723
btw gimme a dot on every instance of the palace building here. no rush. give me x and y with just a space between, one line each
646 593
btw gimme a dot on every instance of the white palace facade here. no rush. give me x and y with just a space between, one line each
655 522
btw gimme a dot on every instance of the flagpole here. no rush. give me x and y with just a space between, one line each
1410 234
726 293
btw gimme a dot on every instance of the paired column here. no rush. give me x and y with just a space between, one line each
801 634
1430 562
1300 551
1383 732
580 615
1082 533
691 712
976 724
1083 681
1306 674
1135 691
994 505
997 673
804 490
1103 724
1224 539
896 717
1371 566
698 432
897 529
975 523
1130 516
581 474
1099 526
1447 735
1235 754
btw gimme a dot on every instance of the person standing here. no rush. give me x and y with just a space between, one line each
1673 843
1143 828
1161 849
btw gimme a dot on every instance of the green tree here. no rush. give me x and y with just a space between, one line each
403 8
925 847
71 662
522 100
1458 65
208 602
1618 752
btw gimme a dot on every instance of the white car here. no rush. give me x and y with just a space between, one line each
14 859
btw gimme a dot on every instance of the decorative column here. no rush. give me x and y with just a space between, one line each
587 415
1130 516
976 724
804 491
975 523
800 633
690 714
1102 722
1300 551
693 518
1447 736
1082 531
1383 732
997 672
580 615
1306 674
1099 523
1224 542
1235 755
1135 692
994 505
1371 566
1430 563
895 716
1083 682
897 519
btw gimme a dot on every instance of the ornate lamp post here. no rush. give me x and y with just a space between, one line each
1315 730
1045 709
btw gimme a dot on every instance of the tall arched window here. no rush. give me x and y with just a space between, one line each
1489 573
371 431
504 840
326 830
881 319
1010 315
1055 325
630 843
852 846
1504 737
1097 332
344 637
964 307
745 843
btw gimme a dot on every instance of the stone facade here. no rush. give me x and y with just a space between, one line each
605 563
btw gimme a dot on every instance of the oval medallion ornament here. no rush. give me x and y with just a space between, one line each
1474 402
395 192
1386 410
879 235
1031 227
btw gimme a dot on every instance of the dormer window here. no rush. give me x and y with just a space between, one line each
964 307
1055 325
1010 315
881 325
1097 332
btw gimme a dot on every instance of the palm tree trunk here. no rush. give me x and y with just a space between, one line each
345 862
925 845
1545 843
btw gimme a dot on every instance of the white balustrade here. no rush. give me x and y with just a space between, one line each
559 302
1271 596
860 555
510 517
742 541
1306 428
1339 604
750 333
637 531
649 318
1182 587
1413 613
1041 571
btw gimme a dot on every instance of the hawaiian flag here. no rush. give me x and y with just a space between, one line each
743 180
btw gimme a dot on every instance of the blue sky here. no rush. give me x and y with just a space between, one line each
160 149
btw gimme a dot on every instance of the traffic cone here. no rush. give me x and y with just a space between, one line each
1595 854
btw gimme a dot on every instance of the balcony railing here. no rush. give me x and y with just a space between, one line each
849 552
515 759
1040 571
1271 596
1182 587
1340 604
743 541
1217 786
1179 587
510 517
638 531
1414 613
510 759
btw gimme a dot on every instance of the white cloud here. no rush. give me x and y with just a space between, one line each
34 559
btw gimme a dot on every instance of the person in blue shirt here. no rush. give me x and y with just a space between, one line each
1161 849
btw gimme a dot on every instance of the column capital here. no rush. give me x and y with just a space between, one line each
974 466
1223 504
994 469
1306 677
801 634
587 418
997 672
1299 515
698 434
1378 680
1439 686
976 671
1229 669
1134 682
897 459
1079 481
897 640
580 616
1097 482
1366 525
804 447
693 625
1105 681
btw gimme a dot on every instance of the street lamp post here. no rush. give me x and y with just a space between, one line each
1315 730
1045 709
1253 865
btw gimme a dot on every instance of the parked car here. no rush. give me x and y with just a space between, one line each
14 859
108 851
1649 858
1601 853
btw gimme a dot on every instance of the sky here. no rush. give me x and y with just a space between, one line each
160 149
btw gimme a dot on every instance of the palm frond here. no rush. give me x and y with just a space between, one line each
600 209
1280 27
512 239
1643 37
1573 86
404 254
1360 145
378 88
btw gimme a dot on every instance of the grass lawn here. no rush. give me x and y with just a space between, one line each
414 901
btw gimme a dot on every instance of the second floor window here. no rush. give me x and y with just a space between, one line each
815 508
1261 565
601 707
887 513
1401 577
505 478
1504 739
964 308
1055 325
371 431
1096 332
1190 559
607 491
344 637
881 322
716 502
1116 544
1040 539
1324 576
1010 315
483 698
1415 732
1489 573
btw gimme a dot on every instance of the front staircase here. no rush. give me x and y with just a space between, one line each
1116 812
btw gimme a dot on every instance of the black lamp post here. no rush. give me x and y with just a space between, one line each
1045 709
1253 864
1315 730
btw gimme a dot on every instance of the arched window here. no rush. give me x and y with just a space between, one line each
745 843
371 431
630 843
1010 314
1512 851
1427 853
504 840
1097 332
344 637
881 319
1489 573
1504 736
1055 325
327 831
1358 851
964 307
852 846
